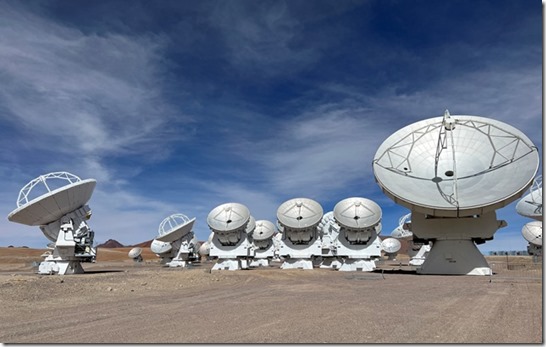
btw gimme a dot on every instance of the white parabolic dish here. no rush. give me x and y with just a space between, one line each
299 213
228 217
532 232
174 227
264 230
390 245
357 213
52 206
135 252
466 166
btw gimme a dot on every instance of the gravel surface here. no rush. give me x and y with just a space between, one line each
120 302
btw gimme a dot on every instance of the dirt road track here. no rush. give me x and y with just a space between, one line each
147 304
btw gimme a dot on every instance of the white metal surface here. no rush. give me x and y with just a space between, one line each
174 227
390 245
357 213
531 204
231 224
51 206
298 220
402 231
264 230
532 232
228 217
299 213
456 166
160 247
56 202
135 252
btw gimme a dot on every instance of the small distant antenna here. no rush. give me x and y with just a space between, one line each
391 246
136 254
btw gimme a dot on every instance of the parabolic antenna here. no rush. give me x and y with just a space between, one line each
228 217
391 245
402 230
299 213
532 232
135 252
174 227
264 230
456 166
357 213
160 247
531 204
204 249
54 204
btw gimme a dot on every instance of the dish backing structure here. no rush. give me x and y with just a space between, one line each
176 243
62 214
453 173
418 249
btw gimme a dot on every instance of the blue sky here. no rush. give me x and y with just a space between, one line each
179 106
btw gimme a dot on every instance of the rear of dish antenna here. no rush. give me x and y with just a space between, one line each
175 244
136 254
57 203
532 232
531 204
453 172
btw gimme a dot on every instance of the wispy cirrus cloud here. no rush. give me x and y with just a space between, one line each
72 92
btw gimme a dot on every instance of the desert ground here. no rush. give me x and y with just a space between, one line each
119 301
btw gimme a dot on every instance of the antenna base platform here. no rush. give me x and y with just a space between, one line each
60 267
455 257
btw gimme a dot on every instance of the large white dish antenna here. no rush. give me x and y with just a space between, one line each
531 204
390 245
532 232
357 213
264 230
299 213
54 204
174 227
456 166
228 217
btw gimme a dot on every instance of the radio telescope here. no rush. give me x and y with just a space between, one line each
352 234
453 172
391 246
62 214
418 249
262 248
228 223
136 254
298 220
175 244
403 231
531 204
329 232
532 232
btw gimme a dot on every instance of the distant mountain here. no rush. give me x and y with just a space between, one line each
110 244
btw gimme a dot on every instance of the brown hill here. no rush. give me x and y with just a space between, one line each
110 244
